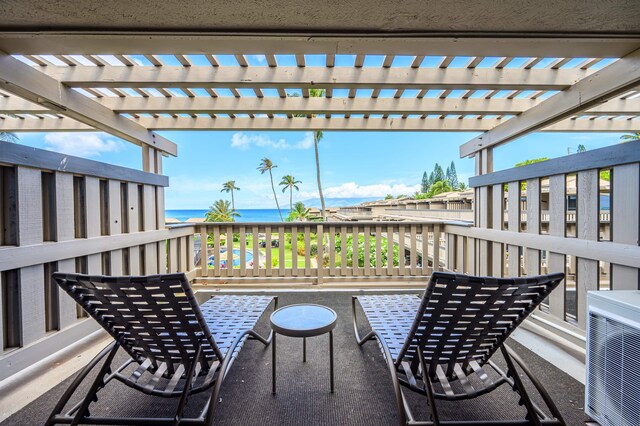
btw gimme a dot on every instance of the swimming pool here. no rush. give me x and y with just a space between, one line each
236 258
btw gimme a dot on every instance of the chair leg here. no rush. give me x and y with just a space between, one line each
428 387
76 382
543 392
187 387
519 387
254 335
210 408
369 336
97 384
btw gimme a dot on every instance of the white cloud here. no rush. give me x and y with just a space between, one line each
244 141
306 142
259 58
81 144
353 190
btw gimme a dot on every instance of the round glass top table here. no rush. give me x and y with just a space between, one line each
303 320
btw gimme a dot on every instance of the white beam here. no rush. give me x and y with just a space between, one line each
272 105
298 105
26 82
43 125
607 83
334 123
198 43
307 77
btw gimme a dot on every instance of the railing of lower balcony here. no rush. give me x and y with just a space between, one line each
319 252
597 251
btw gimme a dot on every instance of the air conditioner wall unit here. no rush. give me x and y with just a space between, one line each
612 396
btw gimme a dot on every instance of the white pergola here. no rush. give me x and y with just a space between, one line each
573 73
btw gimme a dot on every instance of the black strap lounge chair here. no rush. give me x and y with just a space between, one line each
440 345
175 347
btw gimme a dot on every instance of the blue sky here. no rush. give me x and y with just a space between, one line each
353 164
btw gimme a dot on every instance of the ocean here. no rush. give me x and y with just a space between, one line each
246 215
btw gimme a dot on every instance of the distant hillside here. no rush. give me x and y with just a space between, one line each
337 202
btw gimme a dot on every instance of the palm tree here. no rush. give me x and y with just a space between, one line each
267 165
230 186
299 212
291 183
8 137
221 211
633 136
317 137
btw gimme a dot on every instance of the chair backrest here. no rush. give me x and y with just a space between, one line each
155 317
464 318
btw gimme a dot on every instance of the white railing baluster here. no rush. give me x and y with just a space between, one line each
307 251
294 250
281 246
268 250
425 249
243 250
204 256
217 257
401 249
390 244
367 250
378 237
354 251
332 251
343 251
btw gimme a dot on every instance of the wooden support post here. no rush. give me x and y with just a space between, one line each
65 231
115 224
625 221
134 226
587 229
533 224
514 226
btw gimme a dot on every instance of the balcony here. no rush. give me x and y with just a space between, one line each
489 74
332 260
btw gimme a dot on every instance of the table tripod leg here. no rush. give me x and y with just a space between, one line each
331 357
273 364
304 349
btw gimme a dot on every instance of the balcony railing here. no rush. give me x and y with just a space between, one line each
598 250
319 252
62 213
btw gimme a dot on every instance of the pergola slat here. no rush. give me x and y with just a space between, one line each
95 60
123 58
154 60
607 83
183 60
337 77
242 61
24 81
212 60
302 124
271 60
